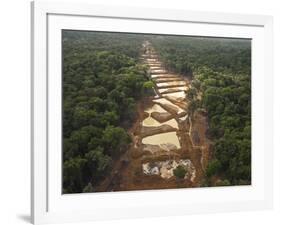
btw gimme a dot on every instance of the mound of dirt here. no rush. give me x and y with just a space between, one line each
161 117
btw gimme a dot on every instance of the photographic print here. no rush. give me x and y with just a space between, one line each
150 111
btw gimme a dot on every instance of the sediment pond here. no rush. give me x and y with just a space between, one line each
162 139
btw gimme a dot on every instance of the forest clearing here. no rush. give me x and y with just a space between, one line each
163 137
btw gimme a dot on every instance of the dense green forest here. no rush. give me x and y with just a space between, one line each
102 80
221 84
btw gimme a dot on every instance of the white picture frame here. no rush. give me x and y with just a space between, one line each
48 205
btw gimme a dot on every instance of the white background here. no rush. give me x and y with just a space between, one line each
15 109
125 201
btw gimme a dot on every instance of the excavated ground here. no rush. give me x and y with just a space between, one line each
164 137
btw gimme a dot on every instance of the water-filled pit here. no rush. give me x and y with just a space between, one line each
171 83
170 90
177 95
162 139
166 102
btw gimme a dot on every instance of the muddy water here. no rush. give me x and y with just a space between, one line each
155 108
172 83
155 67
162 139
177 95
164 101
152 60
172 90
167 75
158 71
165 79
169 99
150 122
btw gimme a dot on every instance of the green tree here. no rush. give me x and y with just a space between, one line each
213 167
116 140
73 174
180 172
148 85
98 162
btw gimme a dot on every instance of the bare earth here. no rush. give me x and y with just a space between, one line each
159 146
